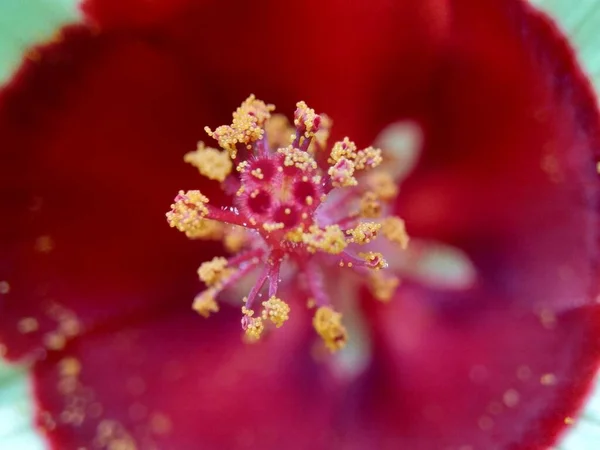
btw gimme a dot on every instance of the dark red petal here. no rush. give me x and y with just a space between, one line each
93 136
177 382
92 145
446 376
509 176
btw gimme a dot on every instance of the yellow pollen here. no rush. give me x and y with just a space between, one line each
276 310
383 286
342 173
272 226
375 260
205 303
214 271
328 325
342 149
279 219
329 240
247 126
383 185
210 162
279 131
257 173
364 232
187 215
254 325
394 229
369 158
305 117
297 158
370 206
235 239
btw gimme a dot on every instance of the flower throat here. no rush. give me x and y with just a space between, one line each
297 210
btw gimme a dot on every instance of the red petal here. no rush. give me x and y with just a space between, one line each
183 383
93 162
509 176
448 375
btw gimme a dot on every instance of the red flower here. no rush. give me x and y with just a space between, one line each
96 287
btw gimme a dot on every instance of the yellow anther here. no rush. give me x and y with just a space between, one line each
276 310
297 158
272 226
328 325
370 206
279 131
342 149
394 229
214 271
383 185
187 215
342 173
364 232
382 285
257 173
306 118
296 235
374 259
368 158
322 135
235 239
210 162
329 240
253 325
247 126
242 166
205 303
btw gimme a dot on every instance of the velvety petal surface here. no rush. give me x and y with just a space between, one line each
508 175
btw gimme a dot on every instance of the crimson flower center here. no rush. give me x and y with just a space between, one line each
296 208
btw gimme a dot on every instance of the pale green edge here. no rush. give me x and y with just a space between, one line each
23 23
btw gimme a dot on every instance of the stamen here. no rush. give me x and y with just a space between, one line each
328 325
394 229
210 162
281 219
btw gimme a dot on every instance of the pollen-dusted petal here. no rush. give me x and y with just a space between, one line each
205 303
276 310
394 229
328 325
212 272
210 162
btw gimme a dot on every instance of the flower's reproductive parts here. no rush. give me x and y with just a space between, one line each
297 211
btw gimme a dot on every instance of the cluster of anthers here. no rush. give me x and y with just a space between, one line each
296 210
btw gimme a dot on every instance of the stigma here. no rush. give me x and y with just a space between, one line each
299 211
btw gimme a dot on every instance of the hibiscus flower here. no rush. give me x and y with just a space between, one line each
490 342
